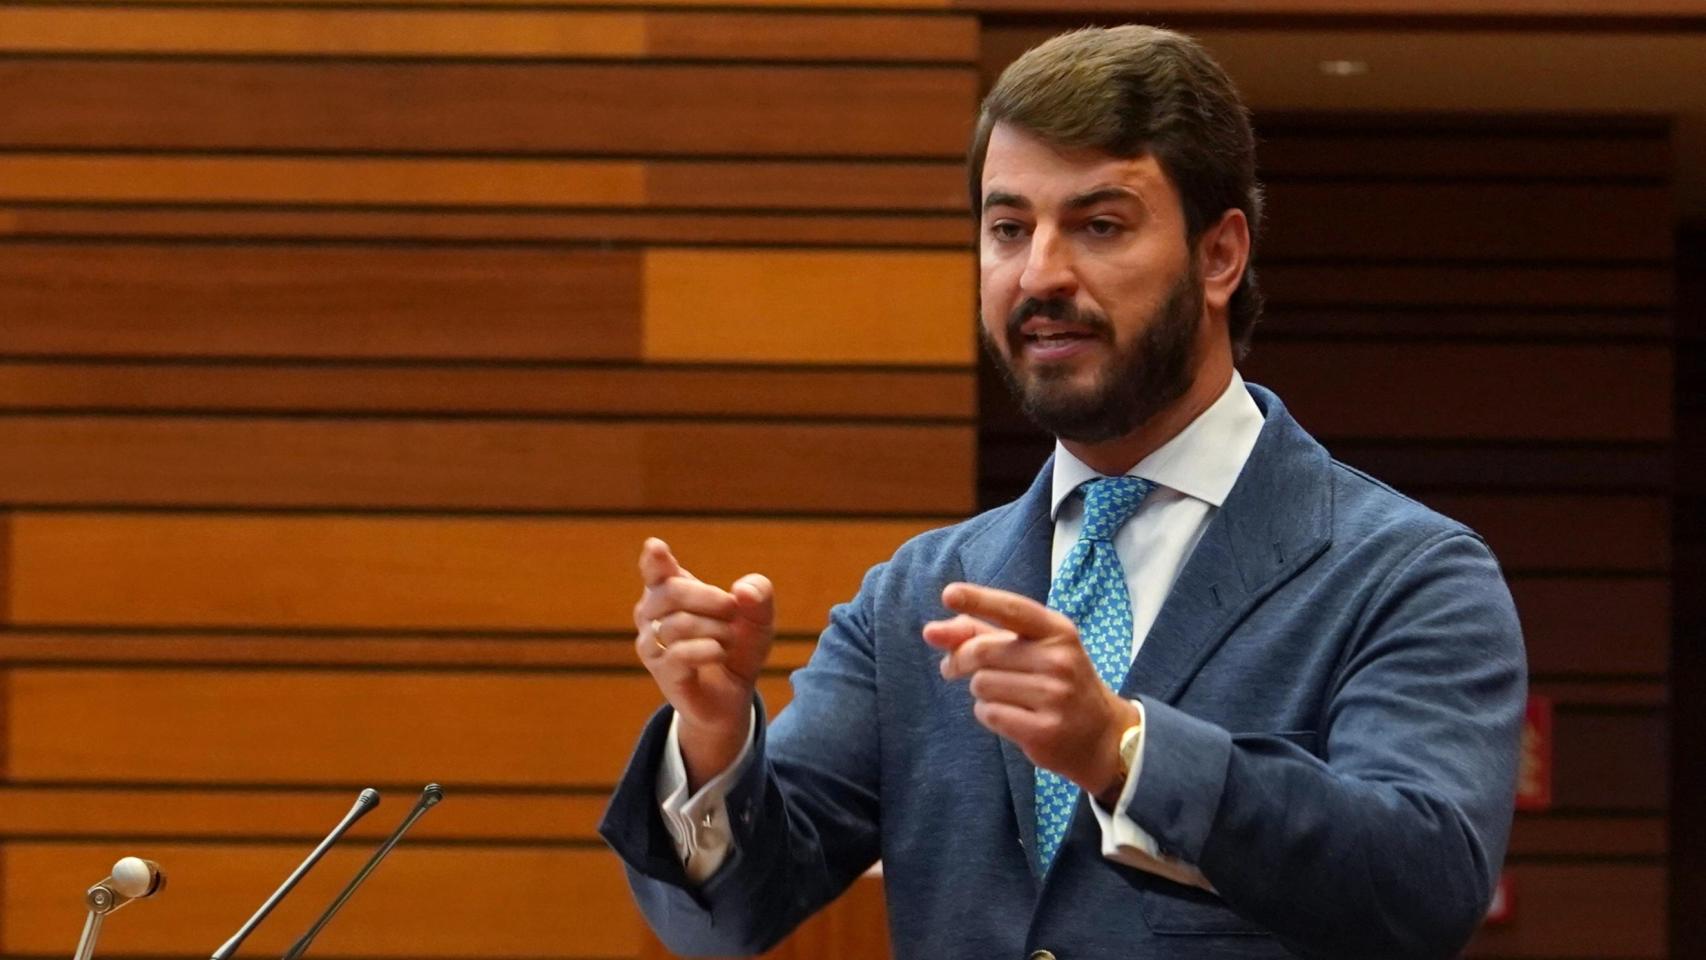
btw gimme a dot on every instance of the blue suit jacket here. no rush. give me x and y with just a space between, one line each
1333 689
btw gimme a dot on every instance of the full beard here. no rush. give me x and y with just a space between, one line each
1135 383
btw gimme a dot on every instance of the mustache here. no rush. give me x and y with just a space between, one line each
1061 310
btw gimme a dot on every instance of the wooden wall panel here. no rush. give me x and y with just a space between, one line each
650 390
441 573
479 464
457 107
326 727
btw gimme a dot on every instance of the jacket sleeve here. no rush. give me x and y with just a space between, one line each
1391 845
802 815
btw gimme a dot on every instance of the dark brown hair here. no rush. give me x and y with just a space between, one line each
1129 91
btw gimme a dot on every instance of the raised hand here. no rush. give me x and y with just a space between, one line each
1033 682
704 647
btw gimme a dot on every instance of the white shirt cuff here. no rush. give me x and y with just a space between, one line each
699 824
1124 842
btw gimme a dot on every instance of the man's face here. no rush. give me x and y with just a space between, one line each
1090 301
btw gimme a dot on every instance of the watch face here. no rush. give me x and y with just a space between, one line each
1129 741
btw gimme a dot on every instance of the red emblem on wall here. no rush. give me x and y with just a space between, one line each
1534 773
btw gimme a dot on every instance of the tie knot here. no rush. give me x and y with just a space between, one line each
1109 503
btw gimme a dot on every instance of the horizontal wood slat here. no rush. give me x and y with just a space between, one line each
164 570
324 727
1361 221
465 389
318 301
1599 911
488 108
1550 835
523 226
1294 286
1483 391
742 305
424 902
471 32
485 464
1390 154
1610 760
872 307
1586 626
452 652
427 182
1281 322
1576 533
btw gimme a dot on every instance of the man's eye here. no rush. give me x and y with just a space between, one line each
1103 228
1005 230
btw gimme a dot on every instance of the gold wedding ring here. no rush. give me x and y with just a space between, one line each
657 625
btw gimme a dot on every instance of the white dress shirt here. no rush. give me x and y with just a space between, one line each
1193 473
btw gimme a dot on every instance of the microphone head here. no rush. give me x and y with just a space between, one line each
136 878
431 795
369 798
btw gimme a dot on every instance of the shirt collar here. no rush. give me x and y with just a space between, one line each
1201 461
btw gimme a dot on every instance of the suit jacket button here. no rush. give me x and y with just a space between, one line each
1042 955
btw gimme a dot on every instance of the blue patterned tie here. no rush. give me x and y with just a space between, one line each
1090 589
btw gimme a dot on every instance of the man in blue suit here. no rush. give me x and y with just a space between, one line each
1201 691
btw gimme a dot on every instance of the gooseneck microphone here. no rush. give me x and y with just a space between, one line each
367 801
133 878
429 798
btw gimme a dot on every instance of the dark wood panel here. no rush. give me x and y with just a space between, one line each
319 301
486 464
794 229
1566 532
488 108
333 728
1562 835
1582 626
1308 151
1605 467
1610 759
745 35
1597 910
578 651
1361 220
452 388
1293 286
1486 391
426 902
326 572
1280 322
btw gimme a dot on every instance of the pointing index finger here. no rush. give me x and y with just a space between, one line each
1015 612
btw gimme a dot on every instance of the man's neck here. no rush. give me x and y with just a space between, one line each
1112 458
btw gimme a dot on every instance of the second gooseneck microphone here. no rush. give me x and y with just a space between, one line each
429 797
367 801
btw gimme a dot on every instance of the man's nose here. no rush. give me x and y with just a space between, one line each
1048 269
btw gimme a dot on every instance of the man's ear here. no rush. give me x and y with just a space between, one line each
1223 251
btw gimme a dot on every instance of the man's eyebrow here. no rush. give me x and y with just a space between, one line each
1103 195
1000 199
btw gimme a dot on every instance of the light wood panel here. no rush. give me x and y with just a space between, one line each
356 571
424 902
470 32
872 307
322 648
487 464
217 105
468 388
379 181
324 727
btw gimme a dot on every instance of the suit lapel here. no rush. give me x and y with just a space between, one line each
1014 555
1274 522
